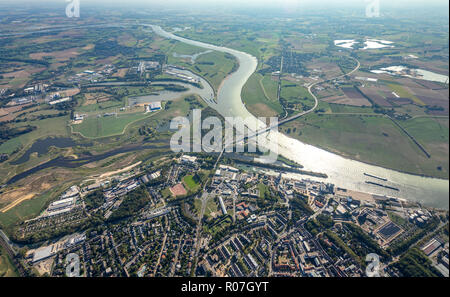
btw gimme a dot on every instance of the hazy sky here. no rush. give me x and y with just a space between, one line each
250 2
287 6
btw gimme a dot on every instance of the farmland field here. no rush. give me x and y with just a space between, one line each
400 91
341 108
432 133
376 140
355 98
214 67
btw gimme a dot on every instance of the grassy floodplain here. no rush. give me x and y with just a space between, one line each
48 127
255 99
213 66
95 127
375 139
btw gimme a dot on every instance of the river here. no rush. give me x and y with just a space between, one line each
41 146
342 172
206 92
75 163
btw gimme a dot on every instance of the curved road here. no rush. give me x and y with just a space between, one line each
296 116
316 101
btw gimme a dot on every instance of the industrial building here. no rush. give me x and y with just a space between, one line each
222 206
153 106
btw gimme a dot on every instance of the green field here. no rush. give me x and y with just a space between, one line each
48 127
263 189
211 206
260 96
7 269
27 209
297 97
376 140
218 71
428 130
96 127
433 134
182 48
191 183
213 66
341 108
292 91
400 91
270 87
100 107
197 207
255 99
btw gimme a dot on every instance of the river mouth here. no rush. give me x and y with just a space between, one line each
342 172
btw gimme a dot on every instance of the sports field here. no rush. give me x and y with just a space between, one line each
190 182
